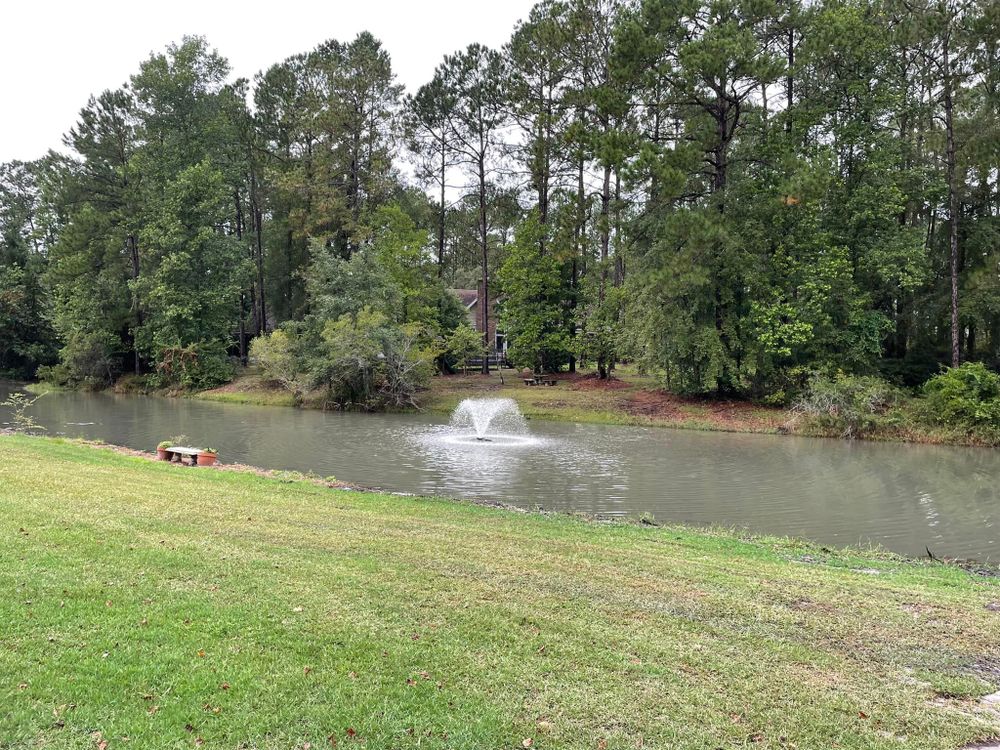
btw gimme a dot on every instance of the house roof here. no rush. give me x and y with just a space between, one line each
468 297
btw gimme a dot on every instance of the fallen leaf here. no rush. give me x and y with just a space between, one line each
527 742
107 603
297 609
602 744
862 715
351 733
425 675
353 675
188 728
198 741
201 653
332 740
224 686
307 670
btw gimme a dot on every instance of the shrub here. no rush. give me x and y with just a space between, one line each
20 420
86 360
276 356
465 343
369 363
851 405
202 365
966 396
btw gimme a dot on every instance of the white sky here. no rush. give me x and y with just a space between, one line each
54 54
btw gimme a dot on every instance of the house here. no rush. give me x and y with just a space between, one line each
470 299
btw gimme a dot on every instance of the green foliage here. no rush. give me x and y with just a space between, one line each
26 336
464 343
194 367
88 359
533 310
279 361
365 362
728 193
849 405
19 404
967 396
190 294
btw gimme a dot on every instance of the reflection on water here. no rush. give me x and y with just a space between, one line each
904 497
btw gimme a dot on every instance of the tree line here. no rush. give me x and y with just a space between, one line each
735 194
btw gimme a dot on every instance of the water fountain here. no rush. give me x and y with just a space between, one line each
489 420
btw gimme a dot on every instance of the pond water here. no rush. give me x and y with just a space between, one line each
903 497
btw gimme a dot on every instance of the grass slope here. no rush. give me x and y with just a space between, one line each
629 399
180 607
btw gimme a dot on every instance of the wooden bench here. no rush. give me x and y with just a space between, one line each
177 453
530 381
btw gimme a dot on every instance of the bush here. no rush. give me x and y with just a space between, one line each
277 358
967 396
197 366
465 343
851 405
369 363
86 360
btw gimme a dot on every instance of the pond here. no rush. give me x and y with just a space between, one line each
903 497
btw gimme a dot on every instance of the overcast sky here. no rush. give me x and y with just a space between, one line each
56 54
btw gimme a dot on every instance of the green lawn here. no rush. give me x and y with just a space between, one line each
180 607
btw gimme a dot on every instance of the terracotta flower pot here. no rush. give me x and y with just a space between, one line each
207 459
162 455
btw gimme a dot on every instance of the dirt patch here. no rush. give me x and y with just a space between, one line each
593 383
804 604
738 416
654 404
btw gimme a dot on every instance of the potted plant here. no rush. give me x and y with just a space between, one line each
161 450
208 457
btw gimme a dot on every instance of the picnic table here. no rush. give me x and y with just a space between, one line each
539 380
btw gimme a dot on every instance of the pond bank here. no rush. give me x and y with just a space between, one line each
629 399
233 607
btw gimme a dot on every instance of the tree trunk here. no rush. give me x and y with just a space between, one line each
442 214
789 80
133 250
605 230
484 303
953 207
260 313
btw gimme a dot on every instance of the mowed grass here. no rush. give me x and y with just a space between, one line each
146 605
